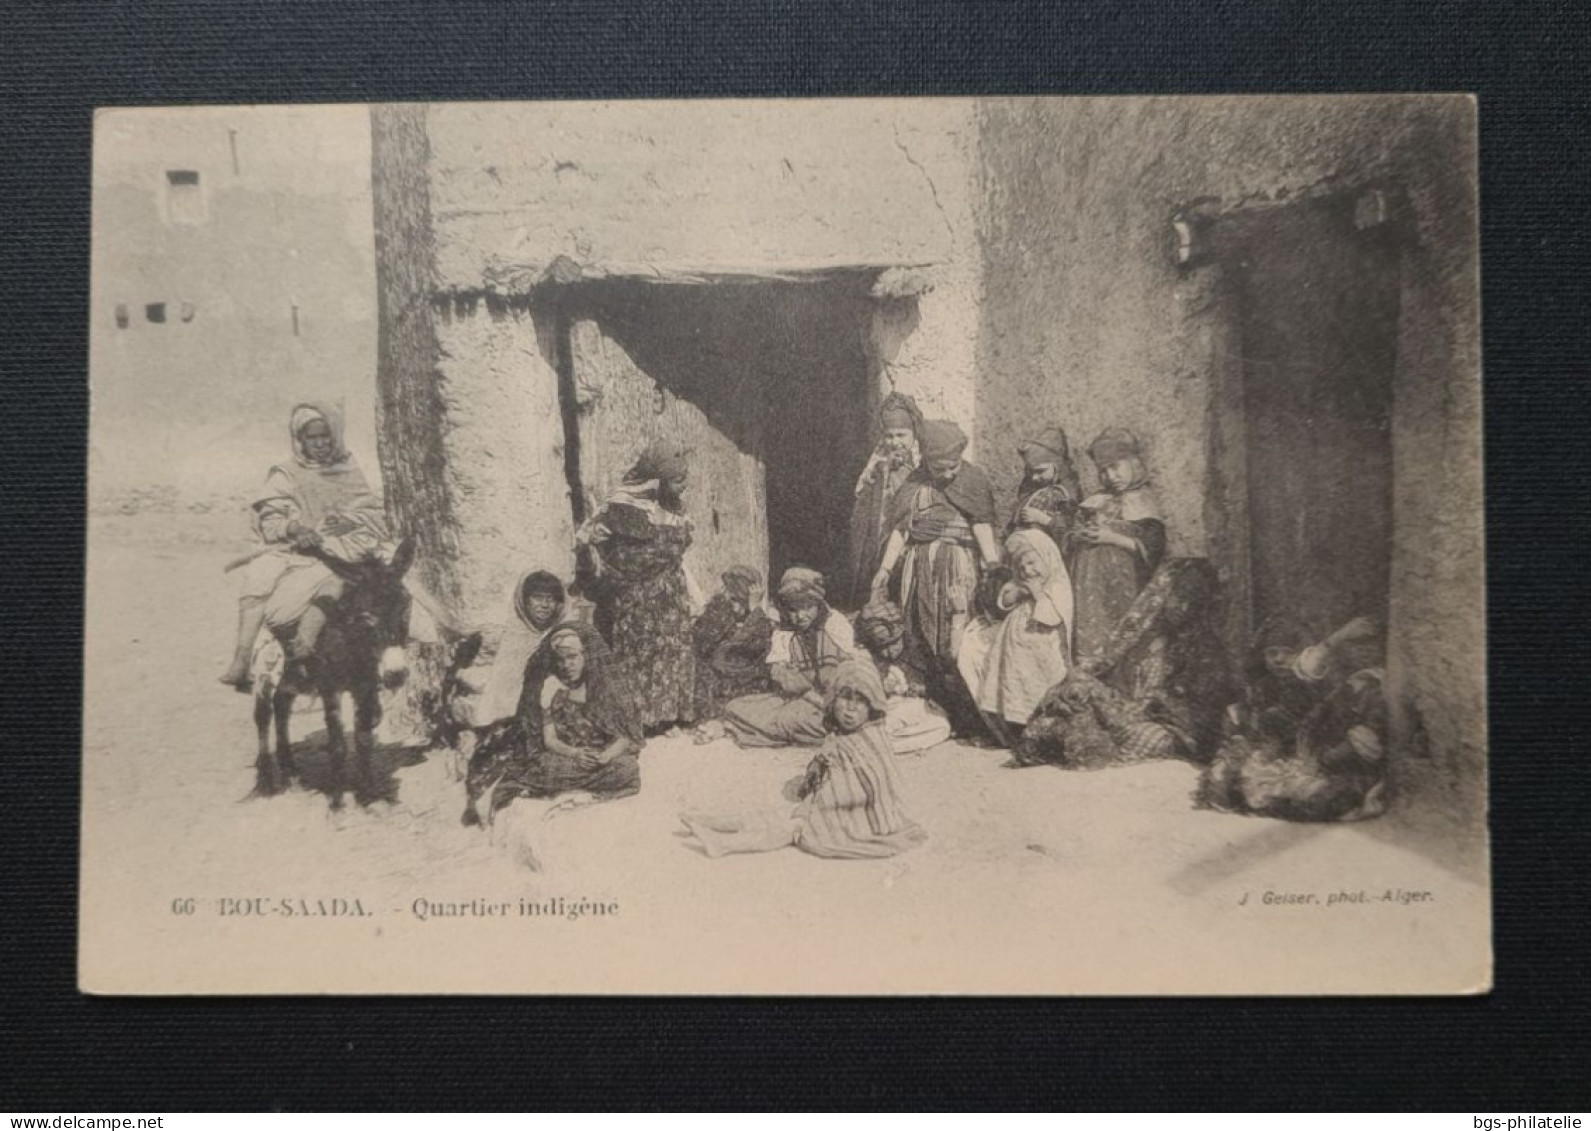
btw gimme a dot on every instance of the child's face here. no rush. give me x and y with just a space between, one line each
1044 473
1120 475
569 659
1279 660
274 526
802 616
542 607
1028 567
898 439
944 470
741 603
851 711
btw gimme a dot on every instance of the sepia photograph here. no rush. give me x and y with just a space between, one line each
813 546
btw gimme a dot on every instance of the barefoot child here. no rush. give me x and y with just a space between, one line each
848 803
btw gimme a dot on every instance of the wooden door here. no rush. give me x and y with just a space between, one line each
1319 311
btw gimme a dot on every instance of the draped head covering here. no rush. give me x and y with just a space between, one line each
900 411
335 485
740 580
860 677
1051 447
605 696
1114 444
661 459
943 439
537 583
1052 589
880 623
801 586
306 414
1048 447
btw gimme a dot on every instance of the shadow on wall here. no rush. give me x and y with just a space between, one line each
770 384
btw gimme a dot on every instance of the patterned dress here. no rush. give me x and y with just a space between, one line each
1054 500
1106 579
793 716
1158 686
731 655
643 609
512 760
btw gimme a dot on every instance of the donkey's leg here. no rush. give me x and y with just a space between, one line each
336 743
267 770
367 717
282 706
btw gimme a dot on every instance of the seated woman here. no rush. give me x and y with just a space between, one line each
572 733
491 686
1306 741
316 509
914 723
809 647
1010 663
848 803
1155 690
731 639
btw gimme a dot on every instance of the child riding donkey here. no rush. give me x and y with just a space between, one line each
316 511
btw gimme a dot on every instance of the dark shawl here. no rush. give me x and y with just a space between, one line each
970 492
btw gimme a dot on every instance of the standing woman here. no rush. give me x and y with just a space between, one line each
1048 497
942 523
1118 542
893 459
632 555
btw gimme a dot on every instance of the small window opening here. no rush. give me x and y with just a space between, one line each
186 312
155 312
184 203
121 316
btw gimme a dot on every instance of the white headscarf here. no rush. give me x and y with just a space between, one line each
1052 591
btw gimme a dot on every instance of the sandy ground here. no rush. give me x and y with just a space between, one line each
1032 880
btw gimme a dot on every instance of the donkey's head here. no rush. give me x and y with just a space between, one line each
375 613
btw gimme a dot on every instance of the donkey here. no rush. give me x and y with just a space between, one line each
359 651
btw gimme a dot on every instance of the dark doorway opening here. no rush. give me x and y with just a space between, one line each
768 383
1317 299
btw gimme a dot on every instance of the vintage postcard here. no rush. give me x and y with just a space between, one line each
891 546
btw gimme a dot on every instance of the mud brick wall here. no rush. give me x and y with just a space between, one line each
1088 322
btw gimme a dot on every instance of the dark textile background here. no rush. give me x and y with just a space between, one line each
1524 1048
